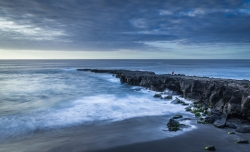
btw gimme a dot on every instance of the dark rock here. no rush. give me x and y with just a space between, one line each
200 121
157 96
195 110
188 109
230 133
234 109
197 114
225 116
246 102
173 123
234 123
215 112
219 106
241 141
231 125
177 116
196 102
221 123
236 98
173 128
243 129
210 147
181 74
211 119
176 101
214 98
168 97
245 106
202 118
227 95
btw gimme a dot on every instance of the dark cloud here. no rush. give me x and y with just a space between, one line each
120 24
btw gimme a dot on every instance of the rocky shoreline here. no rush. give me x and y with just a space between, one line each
221 102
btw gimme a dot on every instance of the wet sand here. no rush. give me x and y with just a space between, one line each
92 136
145 134
192 141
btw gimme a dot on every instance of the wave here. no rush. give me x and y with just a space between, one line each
85 111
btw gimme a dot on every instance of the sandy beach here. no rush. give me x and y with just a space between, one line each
144 134
192 141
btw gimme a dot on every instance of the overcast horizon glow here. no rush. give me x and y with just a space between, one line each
125 29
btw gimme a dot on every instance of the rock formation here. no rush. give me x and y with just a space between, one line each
223 95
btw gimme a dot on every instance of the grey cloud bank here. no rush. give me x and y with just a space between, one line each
111 25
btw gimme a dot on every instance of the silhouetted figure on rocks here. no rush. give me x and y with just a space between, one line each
172 72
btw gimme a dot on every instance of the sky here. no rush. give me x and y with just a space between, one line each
125 29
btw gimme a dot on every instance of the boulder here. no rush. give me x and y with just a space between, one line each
157 95
221 123
188 109
243 129
215 112
200 121
168 97
211 119
173 125
210 147
197 114
231 125
242 141
176 101
177 116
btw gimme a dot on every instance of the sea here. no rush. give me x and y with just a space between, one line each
47 105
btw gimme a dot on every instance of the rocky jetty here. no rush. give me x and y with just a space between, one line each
225 98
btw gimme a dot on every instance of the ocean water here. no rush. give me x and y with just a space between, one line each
43 95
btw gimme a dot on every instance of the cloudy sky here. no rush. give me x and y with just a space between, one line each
136 29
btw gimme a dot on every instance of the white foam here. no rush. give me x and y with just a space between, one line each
113 79
84 111
69 69
108 77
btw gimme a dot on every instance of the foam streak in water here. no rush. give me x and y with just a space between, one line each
84 111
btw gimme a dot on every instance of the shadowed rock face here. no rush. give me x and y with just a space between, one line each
225 95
